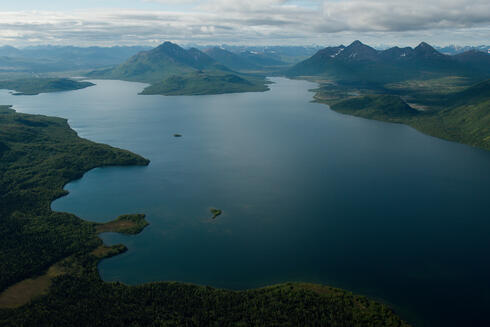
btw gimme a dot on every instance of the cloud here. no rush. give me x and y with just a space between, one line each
256 21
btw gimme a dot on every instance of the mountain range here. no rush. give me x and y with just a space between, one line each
363 64
40 59
455 49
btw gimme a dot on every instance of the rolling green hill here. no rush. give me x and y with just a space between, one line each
381 107
33 86
48 260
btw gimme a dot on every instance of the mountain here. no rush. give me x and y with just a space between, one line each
173 70
9 51
283 54
163 61
230 59
357 51
360 63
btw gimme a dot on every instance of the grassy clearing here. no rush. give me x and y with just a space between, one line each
25 291
125 224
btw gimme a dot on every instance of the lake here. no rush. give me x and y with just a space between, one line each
307 195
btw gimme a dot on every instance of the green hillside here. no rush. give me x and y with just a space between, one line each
33 86
381 107
460 116
154 65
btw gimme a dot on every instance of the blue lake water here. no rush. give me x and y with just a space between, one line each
307 195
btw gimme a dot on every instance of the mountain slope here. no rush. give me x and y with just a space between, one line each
42 59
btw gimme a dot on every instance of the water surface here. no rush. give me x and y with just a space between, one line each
307 195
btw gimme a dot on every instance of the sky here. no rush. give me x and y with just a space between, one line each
244 22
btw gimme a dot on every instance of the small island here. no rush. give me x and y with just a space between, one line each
126 224
215 212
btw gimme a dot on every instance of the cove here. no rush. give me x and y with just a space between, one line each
306 194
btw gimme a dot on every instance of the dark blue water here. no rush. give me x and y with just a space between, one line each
307 195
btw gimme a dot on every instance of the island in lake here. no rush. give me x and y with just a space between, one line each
215 212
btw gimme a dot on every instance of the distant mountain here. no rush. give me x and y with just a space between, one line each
282 54
8 51
41 59
454 49
262 59
363 64
230 59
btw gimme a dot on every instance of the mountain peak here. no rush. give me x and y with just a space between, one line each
359 51
356 43
424 45
167 45
426 50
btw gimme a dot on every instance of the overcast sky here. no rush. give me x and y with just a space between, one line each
249 22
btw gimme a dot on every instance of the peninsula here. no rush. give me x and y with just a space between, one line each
34 86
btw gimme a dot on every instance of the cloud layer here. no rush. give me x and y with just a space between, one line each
256 22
